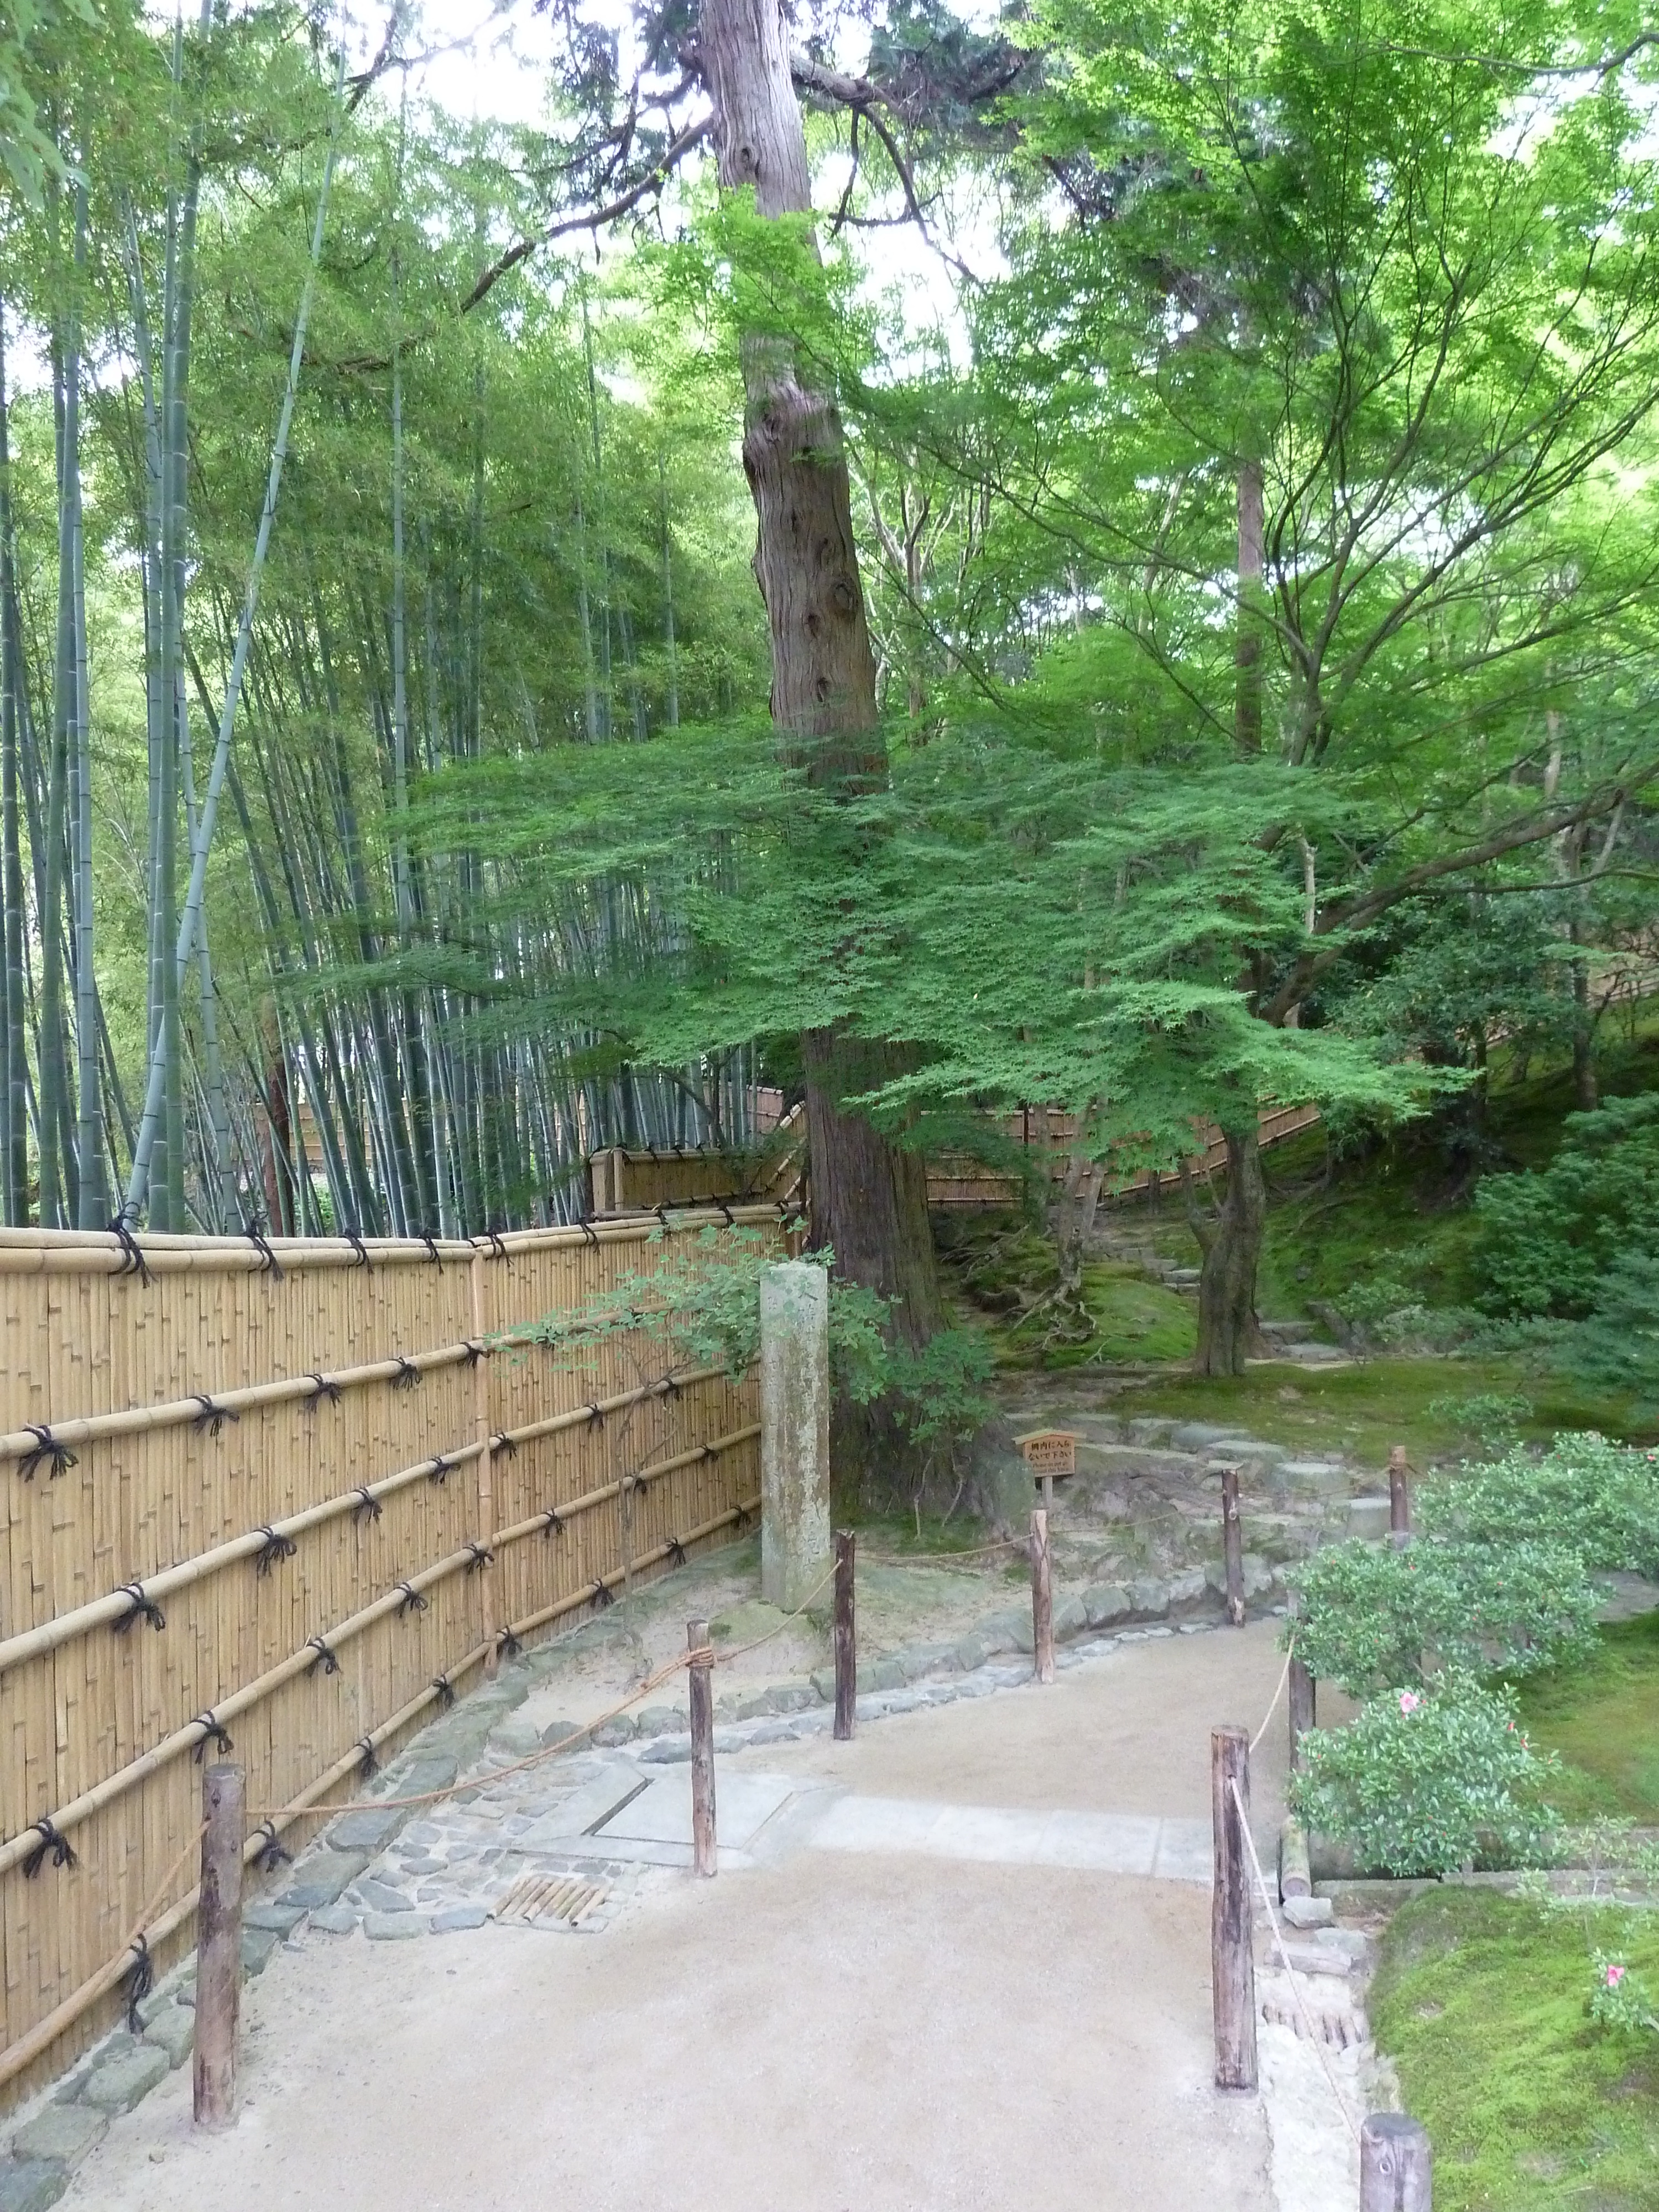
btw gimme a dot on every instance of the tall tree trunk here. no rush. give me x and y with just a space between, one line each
1230 1242
869 1197
1247 643
668 599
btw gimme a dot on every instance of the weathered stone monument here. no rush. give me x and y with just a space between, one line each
794 1388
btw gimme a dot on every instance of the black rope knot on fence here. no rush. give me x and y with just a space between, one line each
482 1556
142 1608
408 1374
601 1594
676 1551
47 1446
213 1416
272 1853
213 1732
445 1690
52 1841
670 1386
507 1644
497 1247
740 1519
475 1352
412 1600
276 1548
140 1981
367 1765
358 1246
595 1413
552 1525
323 1388
440 1469
431 1244
590 1234
503 1442
268 1264
368 1507
132 1257
324 1659
730 1217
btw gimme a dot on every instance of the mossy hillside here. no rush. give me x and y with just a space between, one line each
1482 2002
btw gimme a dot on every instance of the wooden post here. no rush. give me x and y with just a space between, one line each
1400 1499
1396 2165
702 1700
1232 1955
1048 1493
1042 1598
847 1645
486 1491
1233 1543
219 1944
1300 1687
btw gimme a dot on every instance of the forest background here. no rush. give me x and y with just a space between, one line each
1236 435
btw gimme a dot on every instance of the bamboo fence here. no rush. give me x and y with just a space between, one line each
291 1495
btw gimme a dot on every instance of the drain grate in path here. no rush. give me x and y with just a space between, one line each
547 1900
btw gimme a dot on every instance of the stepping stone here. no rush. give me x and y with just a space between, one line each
29 2185
174 2031
1368 1518
320 1880
124 2081
64 2133
269 1913
258 1944
393 1927
455 1918
335 1919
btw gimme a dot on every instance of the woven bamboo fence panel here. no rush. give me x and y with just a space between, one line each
292 1501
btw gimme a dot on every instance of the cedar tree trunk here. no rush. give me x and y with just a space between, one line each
1230 1240
869 1198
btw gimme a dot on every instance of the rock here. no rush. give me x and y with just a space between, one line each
424 1773
924 1658
335 1919
1318 1477
558 1732
1069 1619
727 1739
1105 1604
455 1918
1190 1587
1368 1518
1307 1911
1259 1576
393 1927
267 1912
258 1944
1353 1943
517 1737
881 1675
791 1698
1318 1958
1148 1598
1009 1632
370 1829
623 1729
1248 1448
318 1880
174 2031
776 1731
659 1720
381 1897
29 2185
1192 1436
755 1709
118 2083
823 1682
998 1483
1146 1432
666 1751
62 2133
970 1652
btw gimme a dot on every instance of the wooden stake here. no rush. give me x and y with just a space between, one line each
1042 1598
701 1697
847 1648
1400 1497
1233 1543
1048 1493
1396 2165
1301 1689
219 1944
1232 1957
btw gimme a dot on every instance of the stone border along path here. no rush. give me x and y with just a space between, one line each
403 1873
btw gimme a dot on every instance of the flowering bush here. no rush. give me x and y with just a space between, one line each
1424 1782
1585 1494
1371 1618
1618 1998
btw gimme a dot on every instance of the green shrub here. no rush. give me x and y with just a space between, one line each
1371 1618
1491 1415
1584 1495
1548 1238
1423 1783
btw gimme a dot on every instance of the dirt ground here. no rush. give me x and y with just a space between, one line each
823 2031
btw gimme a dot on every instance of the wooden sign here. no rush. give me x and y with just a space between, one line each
1050 1451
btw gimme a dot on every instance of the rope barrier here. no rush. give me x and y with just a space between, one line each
1284 1676
1284 1961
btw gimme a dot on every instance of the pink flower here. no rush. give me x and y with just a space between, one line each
1615 1975
1409 1701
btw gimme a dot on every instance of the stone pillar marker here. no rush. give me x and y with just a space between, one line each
794 1387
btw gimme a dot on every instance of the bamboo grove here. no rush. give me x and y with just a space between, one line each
285 530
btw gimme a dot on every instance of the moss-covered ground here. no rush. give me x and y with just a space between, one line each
1602 1716
1482 2000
